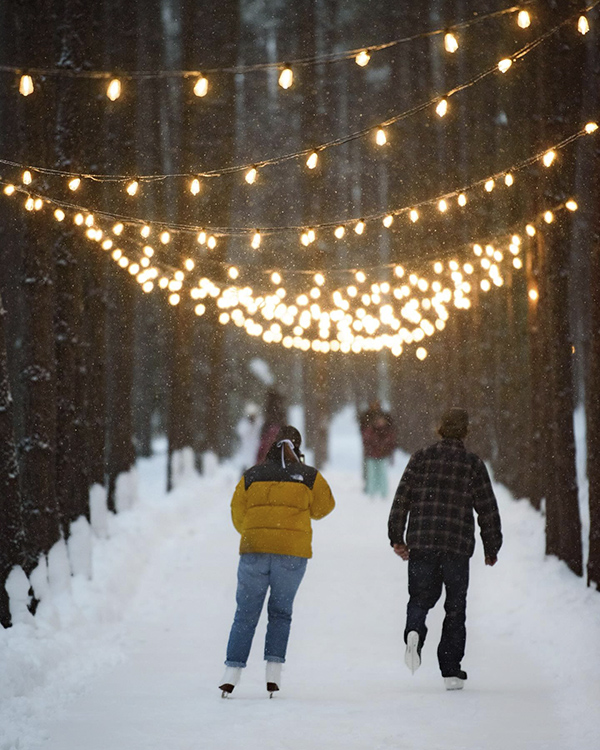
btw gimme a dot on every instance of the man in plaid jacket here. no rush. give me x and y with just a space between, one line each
441 487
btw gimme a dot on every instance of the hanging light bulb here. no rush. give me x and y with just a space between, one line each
132 187
442 206
26 85
388 221
524 19
591 127
9 189
489 186
530 229
117 229
508 179
312 160
27 178
256 240
74 183
165 238
113 92
450 42
549 158
286 77
504 64
462 199
201 238
571 205
275 278
211 242
583 25
548 217
59 214
251 175
201 86
145 231
380 137
340 232
414 215
362 58
442 107
195 186
304 239
360 227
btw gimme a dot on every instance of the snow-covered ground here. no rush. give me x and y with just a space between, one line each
132 659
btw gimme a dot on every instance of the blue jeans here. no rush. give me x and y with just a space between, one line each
256 572
376 483
428 573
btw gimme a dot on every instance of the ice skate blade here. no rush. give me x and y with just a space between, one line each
454 683
411 656
226 690
272 687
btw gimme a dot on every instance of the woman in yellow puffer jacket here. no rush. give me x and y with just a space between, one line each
272 508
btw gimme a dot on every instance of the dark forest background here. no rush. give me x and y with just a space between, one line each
92 370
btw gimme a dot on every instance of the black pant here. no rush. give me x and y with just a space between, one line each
428 571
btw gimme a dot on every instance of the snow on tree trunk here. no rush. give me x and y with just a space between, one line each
79 545
99 511
17 587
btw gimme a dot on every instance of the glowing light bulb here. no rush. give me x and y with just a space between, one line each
504 64
462 199
74 183
548 217
107 244
148 286
438 267
362 58
113 92
311 235
380 137
286 77
549 158
360 277
442 206
275 278
517 263
530 229
414 215
174 299
201 86
59 215
533 295
211 242
117 229
27 178
200 310
145 231
388 221
340 232
89 220
26 85
319 279
38 203
524 19
450 42
442 107
233 272
201 238
132 187
312 160
421 353
485 285
583 25
9 189
571 205
165 238
195 186
399 271
509 180
251 175
489 186
591 127
360 227
256 240
189 264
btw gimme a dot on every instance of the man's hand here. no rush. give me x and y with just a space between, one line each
491 561
401 550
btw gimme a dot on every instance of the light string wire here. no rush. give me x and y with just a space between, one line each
356 135
328 58
184 228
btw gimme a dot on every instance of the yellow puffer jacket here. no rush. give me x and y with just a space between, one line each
272 507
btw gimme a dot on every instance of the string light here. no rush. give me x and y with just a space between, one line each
388 221
113 92
74 183
462 200
548 217
26 85
9 189
591 127
132 187
59 214
340 232
251 175
195 186
509 180
450 42
362 58
531 230
312 160
165 238
571 205
504 64
380 137
211 242
533 295
524 19
286 77
201 86
256 240
359 227
549 158
27 179
489 185
442 108
583 25
442 206
414 215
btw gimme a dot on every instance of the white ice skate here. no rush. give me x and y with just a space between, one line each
412 656
230 680
273 677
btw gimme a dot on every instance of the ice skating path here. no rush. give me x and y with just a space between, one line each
533 651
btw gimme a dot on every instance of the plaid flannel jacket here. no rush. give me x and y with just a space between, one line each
440 488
